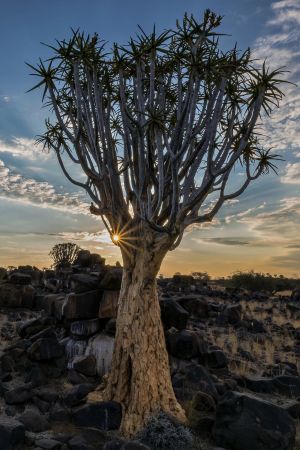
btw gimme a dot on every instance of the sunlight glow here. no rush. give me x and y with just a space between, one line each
116 237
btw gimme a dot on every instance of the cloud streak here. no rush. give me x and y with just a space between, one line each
17 188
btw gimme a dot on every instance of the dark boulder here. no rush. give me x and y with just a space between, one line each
85 328
44 349
112 279
196 306
12 433
173 315
81 306
85 364
108 308
102 415
244 422
185 344
216 359
34 421
20 394
82 282
19 278
76 395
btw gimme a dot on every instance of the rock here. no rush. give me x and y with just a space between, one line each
108 307
33 326
10 296
101 347
52 304
18 395
112 280
82 282
12 433
202 406
135 445
85 327
102 415
194 377
74 348
244 422
173 315
111 327
233 313
48 444
185 344
216 359
34 422
88 439
28 296
85 364
19 278
115 444
78 378
81 306
196 306
45 348
76 395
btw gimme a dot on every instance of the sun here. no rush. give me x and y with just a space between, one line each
116 238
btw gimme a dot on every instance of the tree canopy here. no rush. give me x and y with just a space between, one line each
158 125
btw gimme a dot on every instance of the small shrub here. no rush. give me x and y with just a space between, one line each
165 433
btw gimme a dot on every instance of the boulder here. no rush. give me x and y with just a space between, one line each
28 296
82 282
52 304
44 349
245 422
102 415
76 395
233 313
10 295
19 278
196 306
85 328
85 364
112 279
34 421
173 315
48 444
81 306
108 308
216 359
74 347
101 347
12 433
18 395
185 344
33 326
194 377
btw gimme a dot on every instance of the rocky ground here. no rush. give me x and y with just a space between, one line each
234 360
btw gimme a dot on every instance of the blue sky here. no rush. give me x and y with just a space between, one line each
38 207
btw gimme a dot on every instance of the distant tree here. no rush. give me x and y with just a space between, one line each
253 281
200 276
64 255
159 127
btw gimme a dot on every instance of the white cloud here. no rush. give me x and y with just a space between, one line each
15 187
292 174
23 148
280 46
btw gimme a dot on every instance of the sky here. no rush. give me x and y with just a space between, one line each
39 207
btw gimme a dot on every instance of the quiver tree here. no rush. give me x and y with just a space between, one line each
64 255
159 127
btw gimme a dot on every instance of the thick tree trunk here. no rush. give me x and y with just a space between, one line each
140 376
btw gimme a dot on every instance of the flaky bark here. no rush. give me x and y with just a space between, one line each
140 376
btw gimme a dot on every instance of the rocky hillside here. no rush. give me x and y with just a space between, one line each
233 358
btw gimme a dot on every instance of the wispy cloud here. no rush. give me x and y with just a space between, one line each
280 46
23 148
17 188
292 174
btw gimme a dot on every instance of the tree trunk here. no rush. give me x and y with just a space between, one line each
140 375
